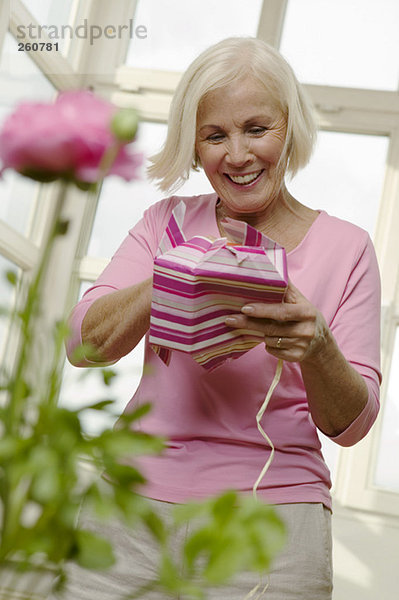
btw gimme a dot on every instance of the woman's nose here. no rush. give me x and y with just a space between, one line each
238 152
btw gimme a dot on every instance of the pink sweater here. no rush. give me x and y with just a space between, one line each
209 418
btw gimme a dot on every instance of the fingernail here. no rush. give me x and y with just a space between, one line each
230 320
248 309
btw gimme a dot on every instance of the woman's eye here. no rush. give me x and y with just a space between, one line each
257 130
215 137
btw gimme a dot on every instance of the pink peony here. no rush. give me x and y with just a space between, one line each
65 139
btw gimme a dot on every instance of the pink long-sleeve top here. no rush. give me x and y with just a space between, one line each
209 417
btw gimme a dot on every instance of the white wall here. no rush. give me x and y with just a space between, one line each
366 555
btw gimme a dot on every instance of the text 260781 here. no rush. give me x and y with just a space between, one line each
37 47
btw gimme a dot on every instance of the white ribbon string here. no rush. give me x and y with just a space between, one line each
259 416
258 589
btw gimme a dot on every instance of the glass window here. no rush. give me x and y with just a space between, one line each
351 43
122 204
339 179
54 17
20 80
387 472
7 296
18 199
177 30
330 452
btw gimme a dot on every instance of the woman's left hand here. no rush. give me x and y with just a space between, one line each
294 330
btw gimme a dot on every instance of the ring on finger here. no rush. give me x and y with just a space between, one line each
278 345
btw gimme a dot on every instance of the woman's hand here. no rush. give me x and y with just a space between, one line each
115 323
294 330
297 332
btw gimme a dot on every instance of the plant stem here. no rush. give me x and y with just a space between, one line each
14 415
27 317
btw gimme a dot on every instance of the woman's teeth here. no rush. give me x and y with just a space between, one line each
245 179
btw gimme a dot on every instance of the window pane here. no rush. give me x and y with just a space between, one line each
20 80
352 43
52 15
7 296
122 204
177 30
387 472
335 181
330 453
338 178
18 195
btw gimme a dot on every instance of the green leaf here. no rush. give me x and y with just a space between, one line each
128 443
108 375
20 388
85 186
232 534
61 227
225 559
94 552
9 447
87 351
61 330
171 580
168 574
131 506
68 512
100 406
138 413
155 525
40 175
123 474
12 277
46 485
224 506
182 513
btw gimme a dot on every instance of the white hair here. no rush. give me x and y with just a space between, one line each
216 67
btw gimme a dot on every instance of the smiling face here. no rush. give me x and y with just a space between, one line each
239 140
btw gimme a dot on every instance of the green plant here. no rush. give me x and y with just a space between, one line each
44 449
229 534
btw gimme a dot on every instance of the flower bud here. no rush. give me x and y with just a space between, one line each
124 124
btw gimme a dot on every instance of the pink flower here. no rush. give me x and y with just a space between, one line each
65 139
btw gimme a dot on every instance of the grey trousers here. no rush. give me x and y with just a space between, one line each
302 571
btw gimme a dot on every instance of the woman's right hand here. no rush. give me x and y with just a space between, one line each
115 323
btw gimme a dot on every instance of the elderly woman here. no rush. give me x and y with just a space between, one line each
240 114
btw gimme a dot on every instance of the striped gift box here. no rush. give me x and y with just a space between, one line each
199 282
